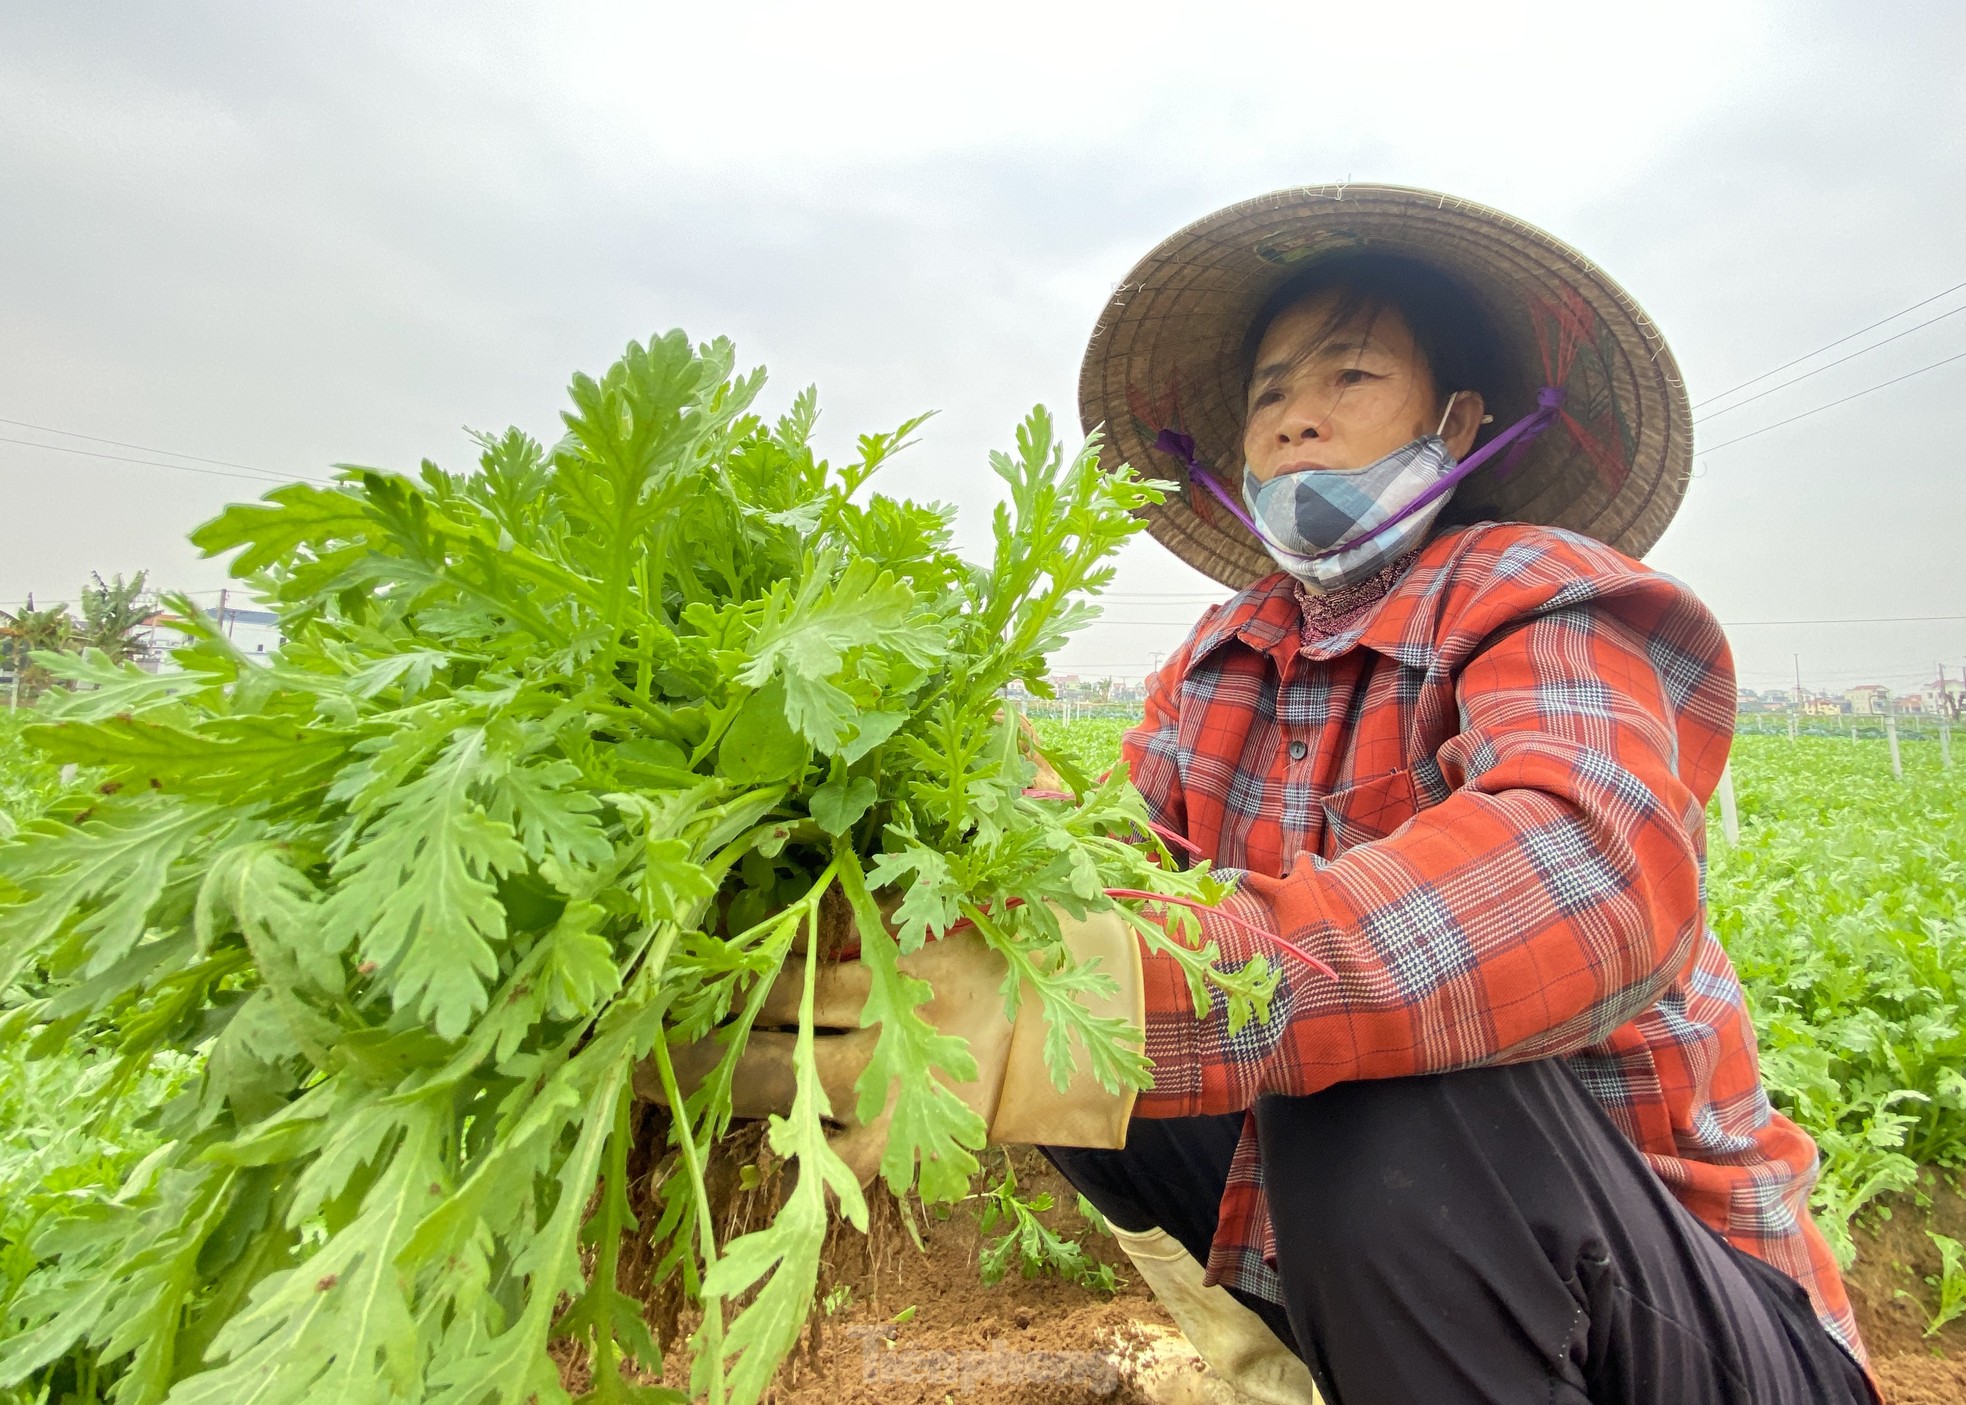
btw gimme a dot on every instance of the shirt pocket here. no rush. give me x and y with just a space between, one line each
1370 810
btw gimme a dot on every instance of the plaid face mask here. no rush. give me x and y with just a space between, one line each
1330 527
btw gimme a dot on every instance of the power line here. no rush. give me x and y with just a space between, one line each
147 448
1827 365
1821 349
1833 404
48 602
255 477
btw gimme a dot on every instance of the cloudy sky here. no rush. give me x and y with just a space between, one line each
283 236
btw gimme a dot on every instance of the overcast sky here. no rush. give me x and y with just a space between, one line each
287 235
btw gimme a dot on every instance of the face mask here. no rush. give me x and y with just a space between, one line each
1331 527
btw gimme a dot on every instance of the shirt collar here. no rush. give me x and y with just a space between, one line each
1267 617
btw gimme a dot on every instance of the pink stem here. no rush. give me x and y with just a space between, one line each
1167 836
1229 917
849 953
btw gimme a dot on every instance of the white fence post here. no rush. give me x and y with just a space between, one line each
1891 731
1945 743
1730 814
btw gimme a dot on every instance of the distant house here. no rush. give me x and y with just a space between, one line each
1823 707
255 633
1943 697
1868 699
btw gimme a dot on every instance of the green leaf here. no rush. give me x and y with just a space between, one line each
299 519
578 971
339 1326
927 1122
785 1256
105 875
419 894
761 744
838 805
552 817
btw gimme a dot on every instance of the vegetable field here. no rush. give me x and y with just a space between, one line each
1842 906
333 987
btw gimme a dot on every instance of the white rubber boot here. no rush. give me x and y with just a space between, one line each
1237 1345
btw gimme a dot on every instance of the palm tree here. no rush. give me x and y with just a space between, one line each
26 633
115 615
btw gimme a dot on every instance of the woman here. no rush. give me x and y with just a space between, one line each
1503 1136
1460 743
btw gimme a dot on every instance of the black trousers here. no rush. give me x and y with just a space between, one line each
1481 1236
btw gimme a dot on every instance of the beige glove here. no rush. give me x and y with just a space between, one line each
1237 1344
1012 1090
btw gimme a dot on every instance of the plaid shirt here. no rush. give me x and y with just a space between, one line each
1483 805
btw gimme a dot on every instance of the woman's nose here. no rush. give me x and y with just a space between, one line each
1303 418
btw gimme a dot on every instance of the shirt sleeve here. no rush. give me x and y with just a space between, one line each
1552 896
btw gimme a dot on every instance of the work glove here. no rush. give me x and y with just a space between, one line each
1237 1344
1012 1092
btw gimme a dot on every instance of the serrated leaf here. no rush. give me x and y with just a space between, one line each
285 523
577 969
420 897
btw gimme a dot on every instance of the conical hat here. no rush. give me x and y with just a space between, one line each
1167 354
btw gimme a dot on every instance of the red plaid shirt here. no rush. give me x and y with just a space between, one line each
1483 805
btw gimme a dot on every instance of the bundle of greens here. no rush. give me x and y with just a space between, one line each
558 763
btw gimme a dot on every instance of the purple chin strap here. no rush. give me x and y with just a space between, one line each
1516 438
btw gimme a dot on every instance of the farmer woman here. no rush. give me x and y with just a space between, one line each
1457 744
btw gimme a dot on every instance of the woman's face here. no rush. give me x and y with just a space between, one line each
1324 397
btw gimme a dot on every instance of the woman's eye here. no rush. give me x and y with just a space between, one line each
1268 397
1352 375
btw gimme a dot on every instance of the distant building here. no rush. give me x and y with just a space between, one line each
1943 697
1868 699
255 632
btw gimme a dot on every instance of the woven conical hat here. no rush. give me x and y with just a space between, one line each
1167 354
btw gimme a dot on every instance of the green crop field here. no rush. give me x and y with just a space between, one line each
1843 905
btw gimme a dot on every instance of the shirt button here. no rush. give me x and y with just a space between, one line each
1297 750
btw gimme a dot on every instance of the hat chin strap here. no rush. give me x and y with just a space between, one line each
1516 438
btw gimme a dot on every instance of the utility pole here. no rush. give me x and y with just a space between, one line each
15 654
1945 719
